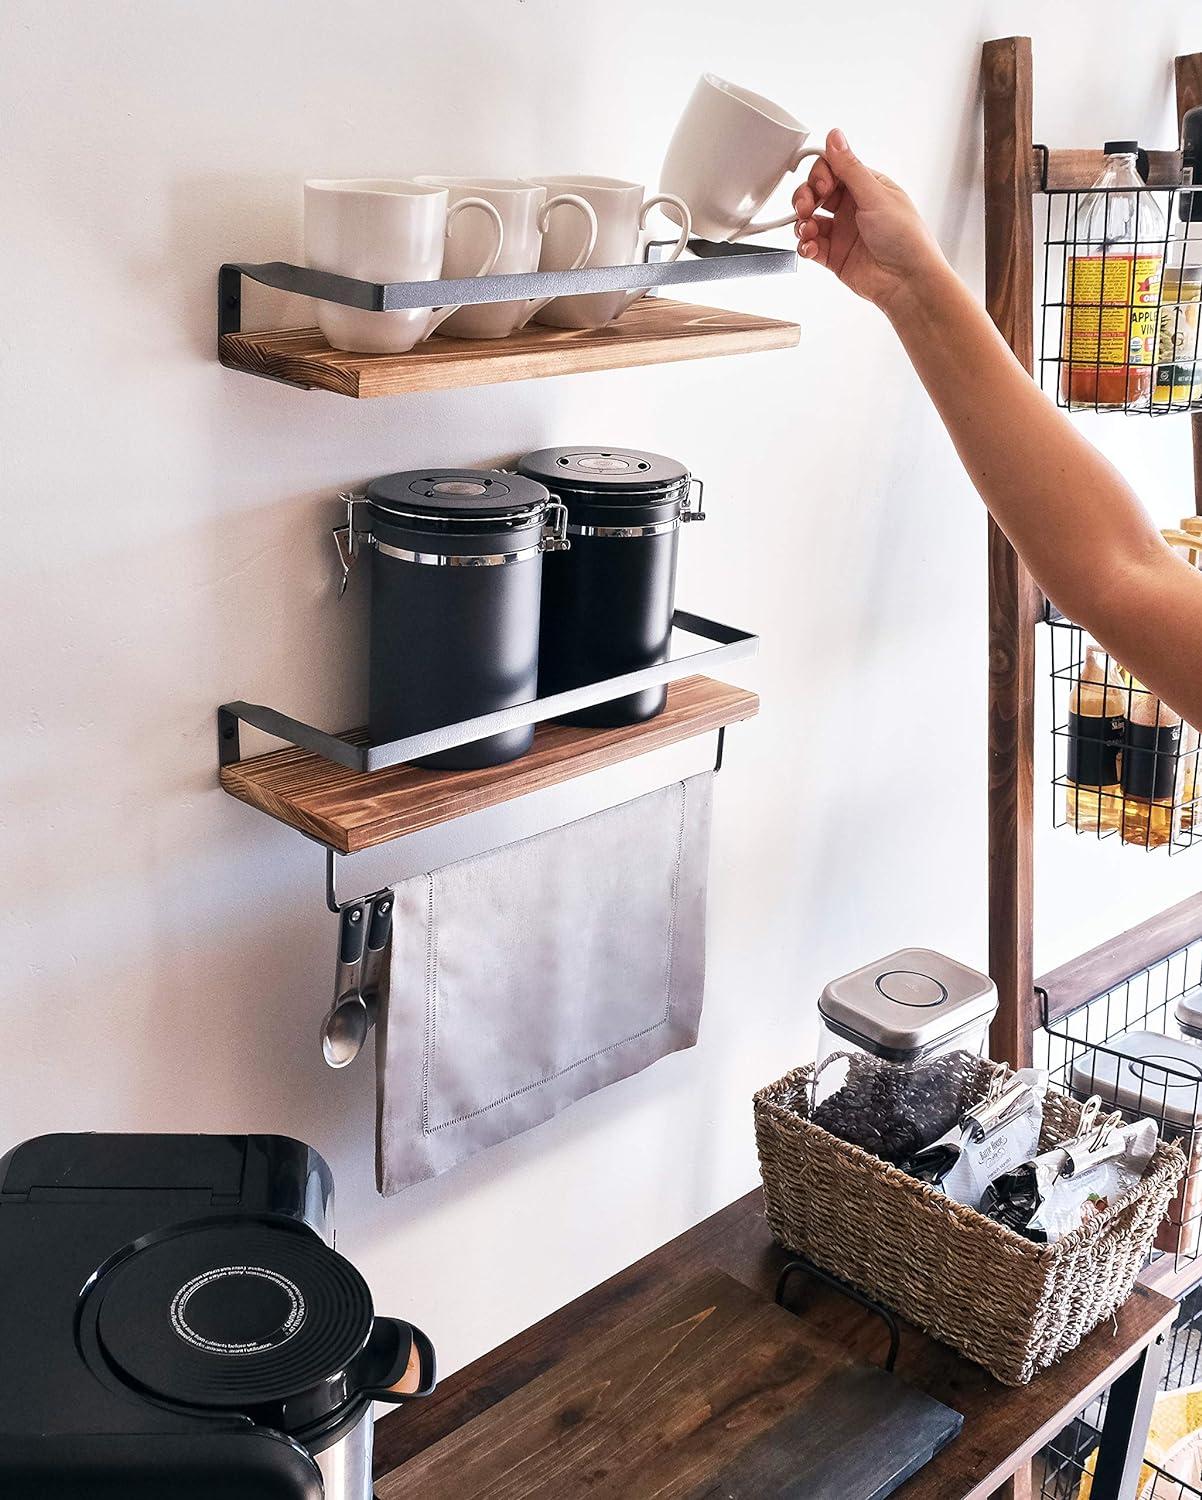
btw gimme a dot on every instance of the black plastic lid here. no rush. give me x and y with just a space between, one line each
605 472
233 1315
456 494
1121 148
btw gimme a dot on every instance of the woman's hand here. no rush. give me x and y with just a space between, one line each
863 227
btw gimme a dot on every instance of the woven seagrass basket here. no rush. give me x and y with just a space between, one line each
1009 1304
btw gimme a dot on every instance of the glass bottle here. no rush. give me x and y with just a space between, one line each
1191 741
1112 289
1152 769
1179 337
1096 729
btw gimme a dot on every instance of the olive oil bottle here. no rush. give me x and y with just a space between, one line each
1152 770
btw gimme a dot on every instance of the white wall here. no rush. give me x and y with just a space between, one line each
167 951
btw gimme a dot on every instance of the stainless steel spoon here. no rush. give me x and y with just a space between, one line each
350 1020
337 1040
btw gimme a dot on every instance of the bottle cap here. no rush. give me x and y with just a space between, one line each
1121 148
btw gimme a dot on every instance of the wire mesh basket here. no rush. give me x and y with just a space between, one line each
1172 1464
1124 764
1085 1054
1121 300
1081 1051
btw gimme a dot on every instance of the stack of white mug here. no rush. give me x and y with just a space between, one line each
730 151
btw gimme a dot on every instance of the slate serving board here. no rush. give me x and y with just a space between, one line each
712 1394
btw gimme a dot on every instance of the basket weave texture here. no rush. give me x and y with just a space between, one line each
1009 1304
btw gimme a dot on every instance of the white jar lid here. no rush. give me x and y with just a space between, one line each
1189 1011
1144 1073
906 1004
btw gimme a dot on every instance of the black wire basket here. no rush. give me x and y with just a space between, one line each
1121 325
1125 765
1081 1051
1082 1055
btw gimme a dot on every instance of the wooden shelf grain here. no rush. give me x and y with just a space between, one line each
350 811
1084 978
653 331
1004 1426
1171 1279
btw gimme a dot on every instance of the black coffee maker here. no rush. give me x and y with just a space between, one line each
175 1322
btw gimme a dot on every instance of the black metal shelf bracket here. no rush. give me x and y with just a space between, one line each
725 644
710 261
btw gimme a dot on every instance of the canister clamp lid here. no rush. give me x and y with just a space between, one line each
622 475
349 540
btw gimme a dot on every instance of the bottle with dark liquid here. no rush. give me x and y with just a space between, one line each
1152 770
1096 729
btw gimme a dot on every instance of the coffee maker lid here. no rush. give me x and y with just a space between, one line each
456 494
603 471
233 1314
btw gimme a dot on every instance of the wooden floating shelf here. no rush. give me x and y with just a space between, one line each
654 331
1074 170
349 811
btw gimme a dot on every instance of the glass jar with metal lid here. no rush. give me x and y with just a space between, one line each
607 605
897 1038
456 565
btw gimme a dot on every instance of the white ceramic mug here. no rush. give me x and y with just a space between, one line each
729 152
621 217
378 229
525 211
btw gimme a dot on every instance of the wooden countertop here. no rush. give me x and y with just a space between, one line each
1002 1425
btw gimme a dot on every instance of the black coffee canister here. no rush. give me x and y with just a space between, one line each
607 604
456 571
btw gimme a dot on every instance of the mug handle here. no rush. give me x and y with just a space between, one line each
767 224
442 313
544 216
668 200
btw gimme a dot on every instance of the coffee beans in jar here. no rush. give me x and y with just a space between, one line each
894 1111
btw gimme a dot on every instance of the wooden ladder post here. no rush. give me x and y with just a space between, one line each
1014 601
1188 71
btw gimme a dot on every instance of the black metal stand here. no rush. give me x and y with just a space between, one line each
799 1264
726 643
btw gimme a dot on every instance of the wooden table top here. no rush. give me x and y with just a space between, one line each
1002 1425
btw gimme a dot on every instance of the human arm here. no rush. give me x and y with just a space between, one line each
1078 526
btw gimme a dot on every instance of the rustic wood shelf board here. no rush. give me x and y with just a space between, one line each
1074 170
349 811
654 331
711 1391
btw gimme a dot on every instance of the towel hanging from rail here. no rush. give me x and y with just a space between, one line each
528 977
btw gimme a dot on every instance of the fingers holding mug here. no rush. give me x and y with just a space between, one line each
489 260
765 225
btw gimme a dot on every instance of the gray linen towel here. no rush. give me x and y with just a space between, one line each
525 978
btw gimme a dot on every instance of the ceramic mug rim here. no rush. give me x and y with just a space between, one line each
515 186
583 180
373 187
765 108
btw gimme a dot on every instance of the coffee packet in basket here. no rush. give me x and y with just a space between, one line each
1055 1193
991 1137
